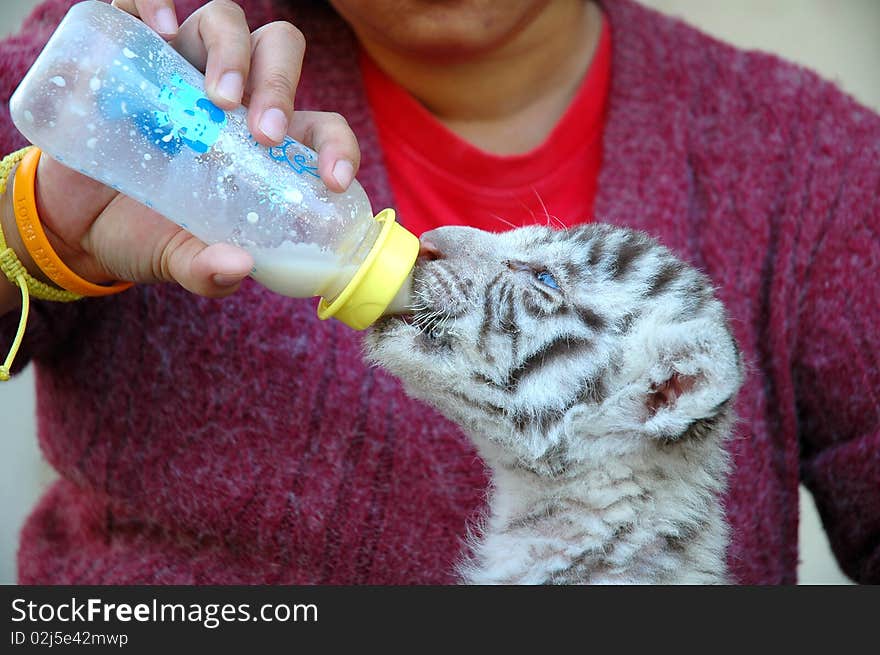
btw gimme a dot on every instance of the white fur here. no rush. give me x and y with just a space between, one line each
602 491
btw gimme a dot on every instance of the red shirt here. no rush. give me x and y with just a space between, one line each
438 178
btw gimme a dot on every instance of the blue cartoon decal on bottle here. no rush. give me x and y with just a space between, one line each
189 118
299 162
173 115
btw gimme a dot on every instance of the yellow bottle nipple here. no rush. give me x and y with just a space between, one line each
378 280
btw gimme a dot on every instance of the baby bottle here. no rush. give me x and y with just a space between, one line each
109 98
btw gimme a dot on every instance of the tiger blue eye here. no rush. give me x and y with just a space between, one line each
546 278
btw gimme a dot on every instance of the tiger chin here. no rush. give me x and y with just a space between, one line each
595 373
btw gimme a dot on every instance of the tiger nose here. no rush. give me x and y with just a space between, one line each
449 242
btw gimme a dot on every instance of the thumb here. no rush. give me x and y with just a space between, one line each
128 241
214 271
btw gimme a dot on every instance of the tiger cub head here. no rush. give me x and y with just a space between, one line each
556 347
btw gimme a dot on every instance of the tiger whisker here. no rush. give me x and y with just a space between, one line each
504 220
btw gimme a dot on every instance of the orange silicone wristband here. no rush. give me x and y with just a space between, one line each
34 238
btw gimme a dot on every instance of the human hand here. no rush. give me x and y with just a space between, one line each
104 235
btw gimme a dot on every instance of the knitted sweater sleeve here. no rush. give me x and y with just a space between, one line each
836 365
49 322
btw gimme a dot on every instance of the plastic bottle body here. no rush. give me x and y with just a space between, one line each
109 98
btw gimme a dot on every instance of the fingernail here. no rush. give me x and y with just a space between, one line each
225 280
230 86
273 123
343 171
166 22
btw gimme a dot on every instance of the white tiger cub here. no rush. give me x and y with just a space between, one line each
595 373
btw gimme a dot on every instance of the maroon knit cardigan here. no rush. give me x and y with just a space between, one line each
244 441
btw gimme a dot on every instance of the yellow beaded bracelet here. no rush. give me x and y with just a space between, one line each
17 274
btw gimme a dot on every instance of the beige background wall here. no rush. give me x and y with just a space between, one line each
838 38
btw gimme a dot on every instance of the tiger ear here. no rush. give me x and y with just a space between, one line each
669 383
663 395
679 402
691 384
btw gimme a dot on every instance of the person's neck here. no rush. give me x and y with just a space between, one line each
508 100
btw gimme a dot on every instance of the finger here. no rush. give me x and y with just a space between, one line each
339 156
102 236
276 62
131 242
212 271
218 270
217 40
158 14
